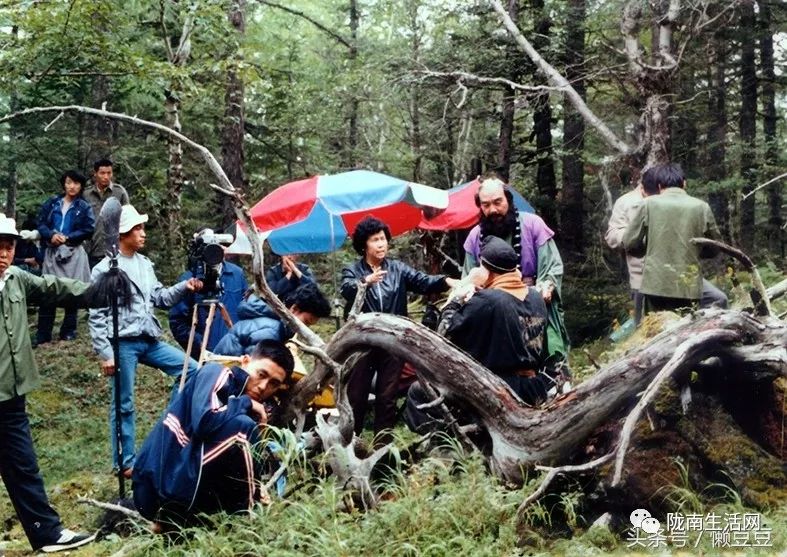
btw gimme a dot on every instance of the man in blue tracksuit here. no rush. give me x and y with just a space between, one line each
200 456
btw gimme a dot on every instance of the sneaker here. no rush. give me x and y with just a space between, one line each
68 540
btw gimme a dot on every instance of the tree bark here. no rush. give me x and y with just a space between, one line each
415 100
172 106
12 179
508 108
769 120
717 133
572 213
522 436
100 131
354 102
232 147
748 124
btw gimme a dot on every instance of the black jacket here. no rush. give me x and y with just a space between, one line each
390 294
500 331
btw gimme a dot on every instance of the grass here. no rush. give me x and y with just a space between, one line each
439 506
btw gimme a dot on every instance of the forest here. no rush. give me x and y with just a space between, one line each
206 106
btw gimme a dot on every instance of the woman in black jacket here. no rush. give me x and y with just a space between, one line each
387 283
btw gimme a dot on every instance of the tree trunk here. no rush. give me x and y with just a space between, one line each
769 119
748 125
415 101
542 127
100 130
572 214
717 133
12 179
175 178
232 149
522 436
350 157
508 109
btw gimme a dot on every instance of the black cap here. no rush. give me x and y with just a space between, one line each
498 256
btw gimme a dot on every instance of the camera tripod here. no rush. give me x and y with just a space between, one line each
211 304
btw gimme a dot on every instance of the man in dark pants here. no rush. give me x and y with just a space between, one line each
19 376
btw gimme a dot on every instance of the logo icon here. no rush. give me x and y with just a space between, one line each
640 518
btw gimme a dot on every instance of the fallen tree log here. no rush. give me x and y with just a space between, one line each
522 436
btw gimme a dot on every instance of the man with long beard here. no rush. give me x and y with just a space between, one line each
539 259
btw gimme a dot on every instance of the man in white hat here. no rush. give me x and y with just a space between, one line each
19 376
139 329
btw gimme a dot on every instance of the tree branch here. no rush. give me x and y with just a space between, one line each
560 83
758 188
683 356
465 76
552 473
759 296
337 37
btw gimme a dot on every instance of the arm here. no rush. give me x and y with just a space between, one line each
549 277
180 318
420 282
617 226
712 233
212 403
43 221
87 225
349 286
55 290
99 321
635 235
163 297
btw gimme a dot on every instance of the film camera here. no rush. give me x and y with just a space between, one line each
205 255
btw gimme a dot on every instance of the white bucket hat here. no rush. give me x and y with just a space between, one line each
8 226
129 218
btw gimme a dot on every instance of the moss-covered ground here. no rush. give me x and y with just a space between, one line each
447 505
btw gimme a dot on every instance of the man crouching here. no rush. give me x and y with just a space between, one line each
200 456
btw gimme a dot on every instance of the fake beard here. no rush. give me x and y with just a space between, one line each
500 227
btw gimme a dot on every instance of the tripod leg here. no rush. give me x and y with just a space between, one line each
225 315
206 334
189 345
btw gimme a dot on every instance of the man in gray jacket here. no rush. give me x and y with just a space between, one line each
139 329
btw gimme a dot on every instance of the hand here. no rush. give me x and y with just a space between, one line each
451 282
546 289
108 367
259 409
57 239
193 285
478 276
32 262
463 292
375 277
290 267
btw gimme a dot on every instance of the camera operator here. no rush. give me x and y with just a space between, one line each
223 282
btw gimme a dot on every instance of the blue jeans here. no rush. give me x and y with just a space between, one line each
151 352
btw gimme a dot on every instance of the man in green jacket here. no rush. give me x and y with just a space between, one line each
662 229
19 376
